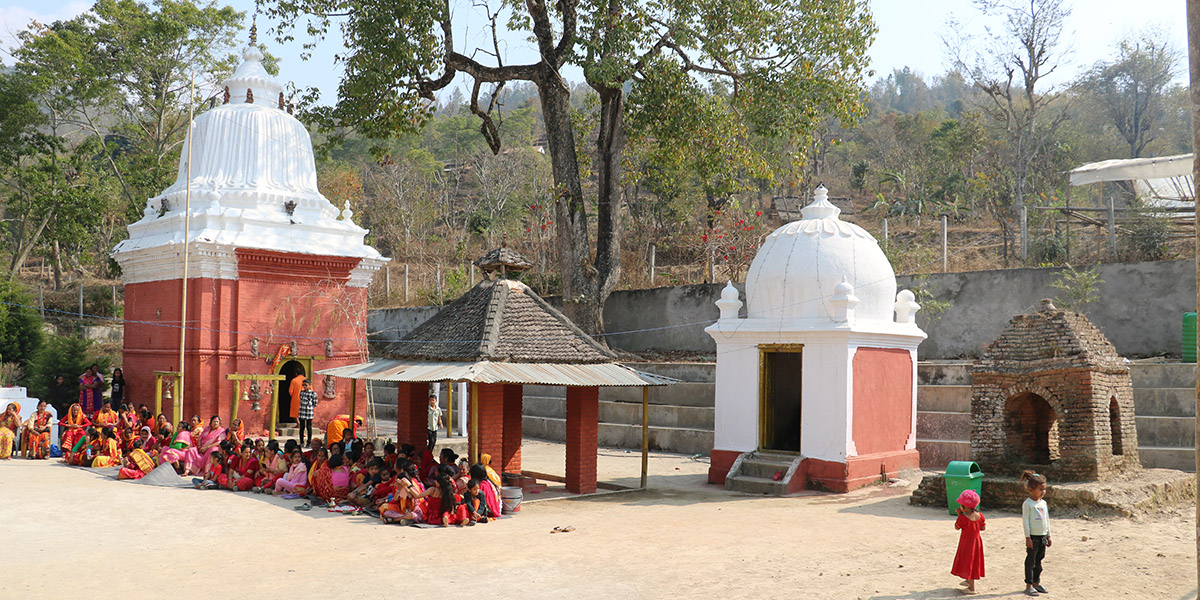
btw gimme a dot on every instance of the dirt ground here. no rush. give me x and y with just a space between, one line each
71 533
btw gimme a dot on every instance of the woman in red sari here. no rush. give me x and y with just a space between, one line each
74 426
38 434
127 439
273 464
442 506
332 480
137 463
109 454
242 470
91 386
149 442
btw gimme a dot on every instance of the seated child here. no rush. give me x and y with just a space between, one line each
477 510
363 492
295 481
389 455
212 472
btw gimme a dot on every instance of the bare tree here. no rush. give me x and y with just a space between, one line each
1009 71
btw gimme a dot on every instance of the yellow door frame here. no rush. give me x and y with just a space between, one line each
766 403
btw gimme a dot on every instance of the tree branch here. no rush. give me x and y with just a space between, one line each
567 41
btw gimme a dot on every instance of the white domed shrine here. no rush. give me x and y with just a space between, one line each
795 272
274 270
818 380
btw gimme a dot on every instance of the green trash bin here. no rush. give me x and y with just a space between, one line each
962 475
1189 337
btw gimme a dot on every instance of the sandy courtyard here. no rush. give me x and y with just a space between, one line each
69 533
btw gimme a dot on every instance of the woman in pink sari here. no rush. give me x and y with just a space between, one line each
176 451
210 439
91 389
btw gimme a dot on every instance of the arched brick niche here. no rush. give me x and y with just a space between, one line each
1052 394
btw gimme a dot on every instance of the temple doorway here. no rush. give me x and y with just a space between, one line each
780 395
290 370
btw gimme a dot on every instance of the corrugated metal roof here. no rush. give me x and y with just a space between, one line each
581 375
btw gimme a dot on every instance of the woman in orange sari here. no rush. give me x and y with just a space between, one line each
10 424
107 417
74 426
320 458
84 450
110 451
177 448
237 433
38 435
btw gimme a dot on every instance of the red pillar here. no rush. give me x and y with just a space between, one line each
491 422
513 398
583 417
412 412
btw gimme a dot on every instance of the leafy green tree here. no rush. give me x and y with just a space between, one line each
20 326
62 355
788 63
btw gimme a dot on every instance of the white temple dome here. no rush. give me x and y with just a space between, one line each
799 269
253 184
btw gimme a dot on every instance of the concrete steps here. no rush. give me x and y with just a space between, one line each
756 474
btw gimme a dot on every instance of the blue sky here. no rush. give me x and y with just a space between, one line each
910 34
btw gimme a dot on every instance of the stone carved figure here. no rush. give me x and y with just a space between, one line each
255 392
328 348
254 346
330 387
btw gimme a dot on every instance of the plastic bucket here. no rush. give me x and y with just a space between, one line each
510 498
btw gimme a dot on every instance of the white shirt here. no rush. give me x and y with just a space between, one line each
1036 517
435 415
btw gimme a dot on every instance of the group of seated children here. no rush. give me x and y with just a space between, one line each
348 472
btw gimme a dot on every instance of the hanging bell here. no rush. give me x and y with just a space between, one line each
167 393
255 407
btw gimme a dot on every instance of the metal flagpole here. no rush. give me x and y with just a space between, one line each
187 228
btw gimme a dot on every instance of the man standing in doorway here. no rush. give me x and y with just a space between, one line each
295 386
435 421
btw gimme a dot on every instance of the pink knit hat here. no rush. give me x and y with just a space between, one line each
968 499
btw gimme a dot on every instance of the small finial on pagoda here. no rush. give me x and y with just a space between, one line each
346 212
254 31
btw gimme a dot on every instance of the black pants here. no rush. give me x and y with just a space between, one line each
305 424
1033 559
431 439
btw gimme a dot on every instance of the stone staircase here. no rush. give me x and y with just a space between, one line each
943 412
681 416
755 473
1164 404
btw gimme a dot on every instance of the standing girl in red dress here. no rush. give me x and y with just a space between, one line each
968 562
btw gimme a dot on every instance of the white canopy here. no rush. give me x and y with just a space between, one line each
1130 169
1161 181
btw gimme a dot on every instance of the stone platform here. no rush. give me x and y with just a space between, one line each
1139 492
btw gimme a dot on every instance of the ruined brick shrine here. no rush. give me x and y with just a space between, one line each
1052 394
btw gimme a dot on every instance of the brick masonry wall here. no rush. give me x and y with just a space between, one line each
490 421
513 409
583 416
412 412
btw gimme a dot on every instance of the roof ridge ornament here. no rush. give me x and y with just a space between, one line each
821 207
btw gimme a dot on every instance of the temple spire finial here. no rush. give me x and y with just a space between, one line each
254 31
